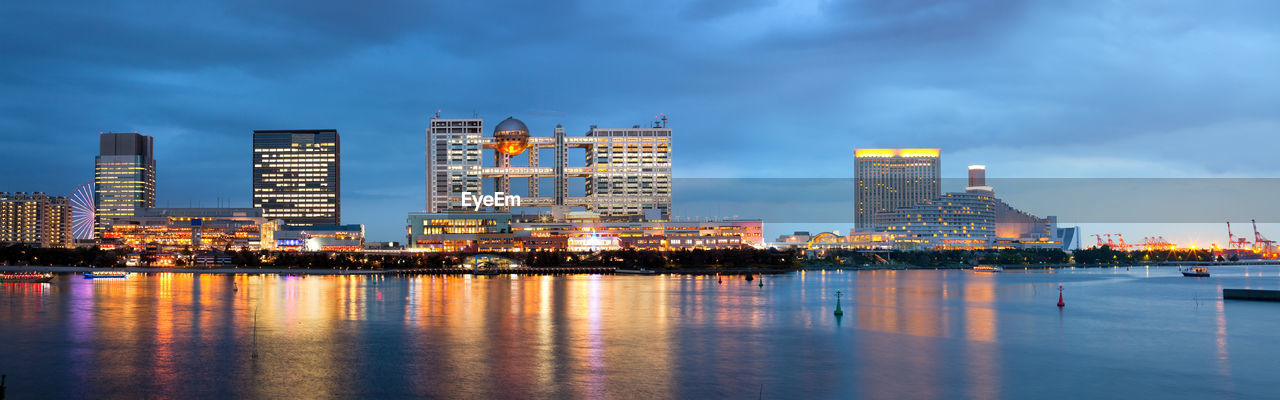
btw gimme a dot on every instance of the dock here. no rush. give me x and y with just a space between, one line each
1251 294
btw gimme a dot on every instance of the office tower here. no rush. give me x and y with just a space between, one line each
124 177
296 176
35 219
632 170
453 161
888 179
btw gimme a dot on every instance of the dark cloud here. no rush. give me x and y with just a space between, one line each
753 88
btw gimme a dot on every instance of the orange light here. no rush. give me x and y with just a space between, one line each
885 153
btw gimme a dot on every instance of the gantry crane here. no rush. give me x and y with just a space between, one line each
1262 244
1234 242
1121 246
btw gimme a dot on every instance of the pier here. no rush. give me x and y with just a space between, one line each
1251 294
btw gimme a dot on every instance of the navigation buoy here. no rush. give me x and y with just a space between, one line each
1060 303
838 312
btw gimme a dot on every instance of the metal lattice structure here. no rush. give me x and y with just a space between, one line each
82 211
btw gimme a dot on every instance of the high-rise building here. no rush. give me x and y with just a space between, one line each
124 177
35 219
627 171
453 162
296 176
889 179
633 170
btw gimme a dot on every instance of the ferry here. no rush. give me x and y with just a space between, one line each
25 277
640 271
105 274
1198 272
987 268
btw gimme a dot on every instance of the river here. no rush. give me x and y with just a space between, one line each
1124 333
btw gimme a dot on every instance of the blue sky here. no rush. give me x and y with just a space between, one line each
753 88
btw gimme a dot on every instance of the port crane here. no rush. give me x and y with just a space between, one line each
1235 242
1261 243
1121 246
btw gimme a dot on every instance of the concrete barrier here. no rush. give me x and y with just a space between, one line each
1251 294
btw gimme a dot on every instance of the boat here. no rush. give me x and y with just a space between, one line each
105 274
1198 272
987 268
25 277
640 271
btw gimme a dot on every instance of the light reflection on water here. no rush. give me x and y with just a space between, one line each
920 334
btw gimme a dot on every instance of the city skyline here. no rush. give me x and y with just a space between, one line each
988 90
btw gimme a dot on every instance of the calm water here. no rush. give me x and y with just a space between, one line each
1141 333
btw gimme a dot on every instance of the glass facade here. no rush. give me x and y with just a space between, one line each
124 178
296 176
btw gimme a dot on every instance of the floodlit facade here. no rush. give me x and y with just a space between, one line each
454 231
583 232
318 238
952 220
181 229
124 177
296 176
36 219
888 179
626 171
974 219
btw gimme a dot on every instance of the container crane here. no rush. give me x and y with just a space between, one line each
1261 243
1234 242
1121 246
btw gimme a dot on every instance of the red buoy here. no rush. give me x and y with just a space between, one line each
1060 303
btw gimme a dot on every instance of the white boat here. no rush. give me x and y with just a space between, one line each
640 271
1198 272
988 268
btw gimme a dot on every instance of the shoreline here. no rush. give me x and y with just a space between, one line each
561 271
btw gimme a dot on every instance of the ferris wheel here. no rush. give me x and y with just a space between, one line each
82 211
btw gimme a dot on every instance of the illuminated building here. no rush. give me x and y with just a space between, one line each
320 238
974 219
451 232
834 240
124 177
296 176
888 179
626 171
179 229
35 219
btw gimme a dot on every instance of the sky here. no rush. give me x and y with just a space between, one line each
753 88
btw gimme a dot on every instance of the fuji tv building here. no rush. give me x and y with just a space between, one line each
627 171
625 201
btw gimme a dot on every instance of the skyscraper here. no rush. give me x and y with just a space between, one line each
453 161
889 179
296 176
124 177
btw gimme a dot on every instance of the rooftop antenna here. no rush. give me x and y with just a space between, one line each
437 114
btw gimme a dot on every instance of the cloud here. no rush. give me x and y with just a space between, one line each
753 88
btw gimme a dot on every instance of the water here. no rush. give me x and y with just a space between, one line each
1141 333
